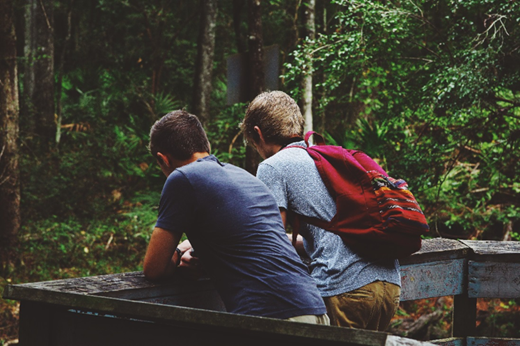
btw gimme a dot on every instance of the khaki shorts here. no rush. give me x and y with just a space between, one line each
369 307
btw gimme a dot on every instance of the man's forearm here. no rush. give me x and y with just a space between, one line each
161 258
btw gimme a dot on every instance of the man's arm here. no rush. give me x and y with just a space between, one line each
161 258
299 240
283 214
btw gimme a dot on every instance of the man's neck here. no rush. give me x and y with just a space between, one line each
179 163
195 157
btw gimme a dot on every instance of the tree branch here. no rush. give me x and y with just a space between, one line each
45 15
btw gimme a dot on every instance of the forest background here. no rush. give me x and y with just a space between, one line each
431 88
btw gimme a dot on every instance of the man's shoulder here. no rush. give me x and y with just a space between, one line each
211 173
194 173
289 157
287 163
201 165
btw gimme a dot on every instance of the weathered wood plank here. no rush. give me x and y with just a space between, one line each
499 251
493 279
204 320
436 279
437 249
480 341
209 300
96 284
393 340
492 342
83 329
125 285
450 342
79 328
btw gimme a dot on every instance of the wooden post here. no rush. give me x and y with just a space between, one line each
464 315
464 310
35 324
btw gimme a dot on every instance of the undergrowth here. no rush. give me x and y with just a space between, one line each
57 248
495 318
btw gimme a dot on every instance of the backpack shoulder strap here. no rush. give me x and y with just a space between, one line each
318 139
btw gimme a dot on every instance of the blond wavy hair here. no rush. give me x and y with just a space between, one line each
277 115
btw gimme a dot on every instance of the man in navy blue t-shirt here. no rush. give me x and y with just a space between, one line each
233 222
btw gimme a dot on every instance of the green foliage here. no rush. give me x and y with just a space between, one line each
99 245
63 247
502 319
164 104
431 89
225 137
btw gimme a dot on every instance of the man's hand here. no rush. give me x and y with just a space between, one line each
189 261
189 264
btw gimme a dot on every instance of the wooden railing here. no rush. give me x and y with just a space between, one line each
466 270
128 309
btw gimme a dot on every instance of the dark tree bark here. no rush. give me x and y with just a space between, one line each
294 32
154 31
204 64
256 49
159 44
9 174
310 28
256 69
238 5
38 91
293 10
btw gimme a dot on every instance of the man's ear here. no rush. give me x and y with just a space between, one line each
259 132
163 160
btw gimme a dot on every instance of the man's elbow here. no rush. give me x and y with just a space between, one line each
151 273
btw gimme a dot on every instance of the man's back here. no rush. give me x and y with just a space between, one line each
234 225
296 184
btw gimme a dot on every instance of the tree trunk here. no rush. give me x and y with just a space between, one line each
320 76
256 49
310 28
255 68
60 73
9 174
38 91
204 64
239 37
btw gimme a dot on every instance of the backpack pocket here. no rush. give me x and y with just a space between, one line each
398 207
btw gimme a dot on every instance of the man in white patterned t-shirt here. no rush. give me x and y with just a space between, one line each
357 291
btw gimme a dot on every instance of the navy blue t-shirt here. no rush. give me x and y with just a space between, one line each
234 223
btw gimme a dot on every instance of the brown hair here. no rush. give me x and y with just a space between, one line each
277 115
179 134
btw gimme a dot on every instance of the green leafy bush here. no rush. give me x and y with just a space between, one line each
431 89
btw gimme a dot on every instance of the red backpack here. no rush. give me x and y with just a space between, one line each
376 215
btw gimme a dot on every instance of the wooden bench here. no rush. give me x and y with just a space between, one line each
127 309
